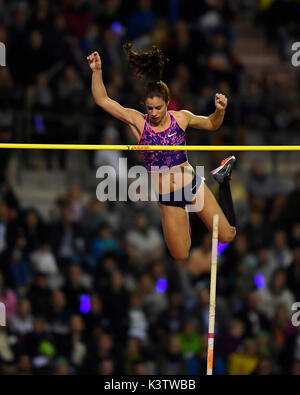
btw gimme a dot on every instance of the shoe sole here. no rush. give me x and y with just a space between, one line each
222 166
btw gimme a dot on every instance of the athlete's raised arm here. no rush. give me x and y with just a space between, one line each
213 121
127 115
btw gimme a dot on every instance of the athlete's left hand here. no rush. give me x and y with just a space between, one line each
220 101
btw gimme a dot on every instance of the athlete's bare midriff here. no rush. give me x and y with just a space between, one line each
172 179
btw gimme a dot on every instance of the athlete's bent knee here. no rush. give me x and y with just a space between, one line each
229 236
182 256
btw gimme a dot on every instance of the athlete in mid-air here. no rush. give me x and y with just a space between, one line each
162 127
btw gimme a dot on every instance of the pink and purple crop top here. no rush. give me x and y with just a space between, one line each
173 135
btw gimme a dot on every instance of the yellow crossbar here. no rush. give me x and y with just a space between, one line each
153 147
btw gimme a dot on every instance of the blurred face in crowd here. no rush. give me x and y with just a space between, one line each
279 281
176 88
252 300
21 242
66 214
1 281
70 74
24 364
43 4
159 33
3 39
116 280
262 255
132 346
104 343
183 74
203 297
24 307
41 282
182 32
108 39
106 367
140 369
109 263
146 283
36 39
8 369
75 273
141 222
42 79
206 242
240 244
79 2
58 300
96 304
189 329
62 368
296 231
97 206
297 182
296 368
3 210
281 316
255 217
265 367
112 5
76 324
74 193
258 171
156 108
173 345
225 88
258 203
236 329
60 22
219 40
135 300
250 347
296 254
105 233
31 219
19 17
279 240
175 300
39 325
157 269
145 5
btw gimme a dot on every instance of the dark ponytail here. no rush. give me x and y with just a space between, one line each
149 64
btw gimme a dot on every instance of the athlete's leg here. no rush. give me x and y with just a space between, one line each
211 207
175 223
222 175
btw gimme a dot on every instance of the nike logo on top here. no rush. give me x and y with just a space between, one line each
170 135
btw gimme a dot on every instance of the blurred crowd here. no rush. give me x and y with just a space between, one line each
92 289
46 97
280 21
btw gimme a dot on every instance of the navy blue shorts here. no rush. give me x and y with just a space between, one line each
183 196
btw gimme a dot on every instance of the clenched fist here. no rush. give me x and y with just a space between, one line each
95 61
220 101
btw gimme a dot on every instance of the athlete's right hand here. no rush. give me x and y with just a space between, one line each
95 61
